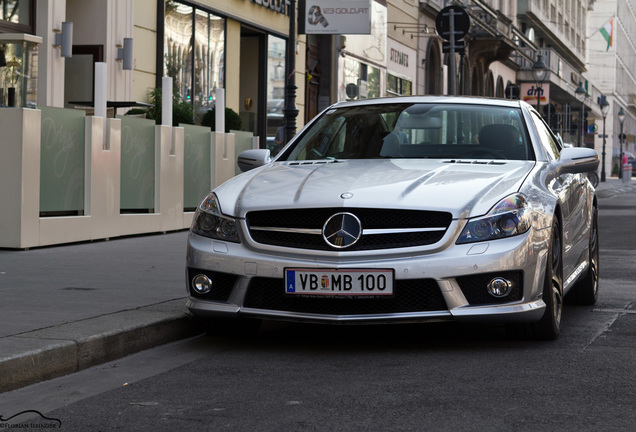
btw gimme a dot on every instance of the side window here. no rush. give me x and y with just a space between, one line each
547 140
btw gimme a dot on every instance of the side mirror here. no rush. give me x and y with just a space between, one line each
250 159
578 160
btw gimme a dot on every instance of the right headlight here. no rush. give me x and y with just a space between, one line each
510 217
209 222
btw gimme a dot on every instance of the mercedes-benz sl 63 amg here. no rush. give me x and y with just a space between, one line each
402 209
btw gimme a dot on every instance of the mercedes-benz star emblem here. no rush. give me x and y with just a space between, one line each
342 230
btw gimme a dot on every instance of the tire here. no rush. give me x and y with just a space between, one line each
585 292
549 326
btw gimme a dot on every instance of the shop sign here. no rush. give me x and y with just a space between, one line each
530 93
401 59
280 6
334 17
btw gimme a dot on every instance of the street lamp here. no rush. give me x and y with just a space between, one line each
580 94
604 109
290 111
621 120
539 72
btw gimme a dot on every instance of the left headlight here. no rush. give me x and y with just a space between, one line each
510 217
209 222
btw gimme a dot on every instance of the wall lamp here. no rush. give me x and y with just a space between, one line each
125 54
64 39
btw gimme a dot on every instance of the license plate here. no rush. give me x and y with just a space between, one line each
348 282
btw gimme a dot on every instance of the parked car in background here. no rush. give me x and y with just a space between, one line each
404 209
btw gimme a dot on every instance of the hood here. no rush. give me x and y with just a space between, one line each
465 189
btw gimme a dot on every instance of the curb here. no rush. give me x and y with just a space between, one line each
52 352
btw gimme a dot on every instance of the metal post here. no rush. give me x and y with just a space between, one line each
580 94
290 111
603 159
539 73
451 20
620 164
604 110
621 138
582 134
539 91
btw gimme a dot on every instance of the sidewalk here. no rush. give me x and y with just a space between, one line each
613 186
67 308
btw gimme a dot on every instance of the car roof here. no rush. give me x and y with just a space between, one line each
460 100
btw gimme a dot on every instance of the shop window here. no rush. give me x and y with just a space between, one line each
396 86
351 75
209 49
178 47
373 83
16 16
194 55
276 49
361 81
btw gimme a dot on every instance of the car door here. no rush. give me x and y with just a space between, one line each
570 191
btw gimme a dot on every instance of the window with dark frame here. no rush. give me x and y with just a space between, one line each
17 16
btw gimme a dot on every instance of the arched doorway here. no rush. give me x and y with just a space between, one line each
490 85
477 81
500 90
434 76
466 80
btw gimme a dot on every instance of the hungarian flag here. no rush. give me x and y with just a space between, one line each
608 31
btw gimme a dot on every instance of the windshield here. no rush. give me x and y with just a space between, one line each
415 131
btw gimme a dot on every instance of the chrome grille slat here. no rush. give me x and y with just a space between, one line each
364 232
382 228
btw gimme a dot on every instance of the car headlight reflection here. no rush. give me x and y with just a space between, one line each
510 217
209 222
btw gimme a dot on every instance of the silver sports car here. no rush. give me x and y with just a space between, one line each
402 210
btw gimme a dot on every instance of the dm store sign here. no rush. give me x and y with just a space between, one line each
531 93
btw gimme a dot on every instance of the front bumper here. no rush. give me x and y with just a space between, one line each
252 284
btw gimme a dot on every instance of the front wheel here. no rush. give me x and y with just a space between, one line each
585 292
549 326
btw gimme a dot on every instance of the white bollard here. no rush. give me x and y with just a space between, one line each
101 89
219 118
166 101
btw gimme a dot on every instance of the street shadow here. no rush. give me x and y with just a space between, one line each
438 336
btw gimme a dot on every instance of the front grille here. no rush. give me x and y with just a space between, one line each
412 295
476 292
222 284
302 228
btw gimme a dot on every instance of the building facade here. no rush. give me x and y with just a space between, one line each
612 59
241 46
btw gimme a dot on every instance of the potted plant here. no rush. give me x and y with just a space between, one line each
13 72
232 120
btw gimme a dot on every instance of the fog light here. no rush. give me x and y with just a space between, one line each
499 287
202 284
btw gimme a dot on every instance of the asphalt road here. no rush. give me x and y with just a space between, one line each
435 377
